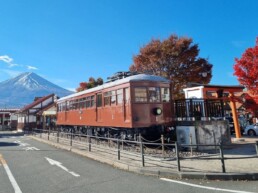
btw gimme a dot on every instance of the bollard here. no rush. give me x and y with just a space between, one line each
256 147
118 149
40 132
162 143
222 158
177 157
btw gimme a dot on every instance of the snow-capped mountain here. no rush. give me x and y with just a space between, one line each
22 90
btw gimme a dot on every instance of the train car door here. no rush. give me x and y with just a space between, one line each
127 104
99 107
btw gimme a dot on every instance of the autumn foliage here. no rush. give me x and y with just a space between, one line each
90 84
175 58
246 69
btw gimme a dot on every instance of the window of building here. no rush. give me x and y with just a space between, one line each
154 94
165 94
140 94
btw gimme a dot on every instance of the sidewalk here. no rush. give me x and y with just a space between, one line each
236 169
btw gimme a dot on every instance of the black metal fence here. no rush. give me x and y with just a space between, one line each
144 151
198 108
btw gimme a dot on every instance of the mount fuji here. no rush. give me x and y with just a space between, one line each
21 90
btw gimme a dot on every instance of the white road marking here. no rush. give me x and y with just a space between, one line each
59 164
204 187
10 176
23 144
31 148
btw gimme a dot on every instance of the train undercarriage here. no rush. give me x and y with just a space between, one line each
132 134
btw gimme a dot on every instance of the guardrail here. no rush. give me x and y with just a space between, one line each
140 150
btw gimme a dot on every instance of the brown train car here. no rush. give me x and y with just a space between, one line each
125 107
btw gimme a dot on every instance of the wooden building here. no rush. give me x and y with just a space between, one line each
8 120
28 117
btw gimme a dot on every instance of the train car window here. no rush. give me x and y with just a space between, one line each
127 95
140 94
119 94
87 102
76 104
58 107
107 98
82 103
67 106
61 106
154 94
71 105
113 97
99 100
165 95
92 101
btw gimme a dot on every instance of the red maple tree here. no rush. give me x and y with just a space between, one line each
90 84
246 69
176 58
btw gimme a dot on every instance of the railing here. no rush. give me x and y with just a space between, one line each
197 109
170 155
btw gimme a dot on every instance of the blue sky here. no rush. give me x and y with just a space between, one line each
67 41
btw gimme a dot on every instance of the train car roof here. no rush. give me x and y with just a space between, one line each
138 77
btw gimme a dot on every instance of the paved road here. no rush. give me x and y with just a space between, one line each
30 171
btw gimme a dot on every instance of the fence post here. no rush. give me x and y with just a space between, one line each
57 138
89 140
256 147
177 157
142 150
163 149
118 149
191 143
222 158
48 133
71 138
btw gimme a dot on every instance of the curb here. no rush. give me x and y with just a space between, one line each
152 172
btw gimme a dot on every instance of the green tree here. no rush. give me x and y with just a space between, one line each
175 58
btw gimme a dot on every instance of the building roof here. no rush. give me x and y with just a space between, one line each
225 88
46 108
8 110
40 100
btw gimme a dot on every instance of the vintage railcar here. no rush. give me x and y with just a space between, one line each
124 108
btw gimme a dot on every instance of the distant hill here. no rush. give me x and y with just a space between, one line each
22 90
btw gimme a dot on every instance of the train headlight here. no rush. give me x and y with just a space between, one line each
157 111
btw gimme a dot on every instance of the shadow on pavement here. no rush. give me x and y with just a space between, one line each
5 144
